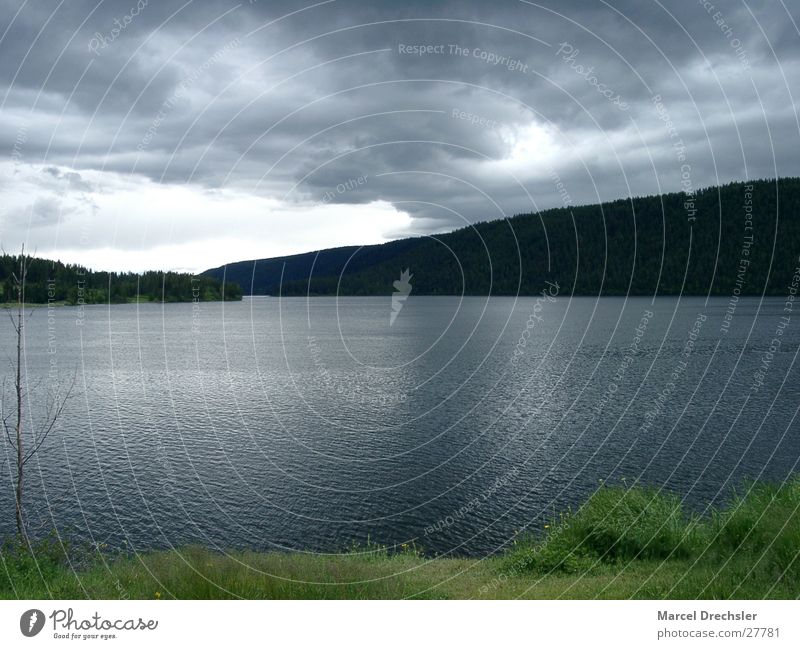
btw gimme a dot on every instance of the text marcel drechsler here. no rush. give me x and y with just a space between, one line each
706 615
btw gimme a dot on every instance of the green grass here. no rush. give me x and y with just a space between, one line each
622 543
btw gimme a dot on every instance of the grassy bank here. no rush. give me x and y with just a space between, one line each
623 543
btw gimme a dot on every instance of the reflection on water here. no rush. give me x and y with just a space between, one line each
312 423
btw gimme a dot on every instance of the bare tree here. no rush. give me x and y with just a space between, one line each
14 421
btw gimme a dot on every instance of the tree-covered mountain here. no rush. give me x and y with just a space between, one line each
741 238
71 284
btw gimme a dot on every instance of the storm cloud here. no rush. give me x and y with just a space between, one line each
166 134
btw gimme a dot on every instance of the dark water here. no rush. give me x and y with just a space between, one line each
311 424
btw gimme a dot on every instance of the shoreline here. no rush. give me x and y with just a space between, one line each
27 305
624 542
39 305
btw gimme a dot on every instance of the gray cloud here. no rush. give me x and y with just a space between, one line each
285 102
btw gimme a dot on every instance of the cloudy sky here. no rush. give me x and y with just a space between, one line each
182 135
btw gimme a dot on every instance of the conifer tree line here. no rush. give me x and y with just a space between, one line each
53 281
742 238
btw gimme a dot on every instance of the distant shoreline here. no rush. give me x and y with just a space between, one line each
28 305
525 295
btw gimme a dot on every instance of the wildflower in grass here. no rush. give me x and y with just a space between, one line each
158 594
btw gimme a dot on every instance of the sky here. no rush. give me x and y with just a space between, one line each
144 134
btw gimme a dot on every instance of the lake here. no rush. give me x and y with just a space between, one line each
314 424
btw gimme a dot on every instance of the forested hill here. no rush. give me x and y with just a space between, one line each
740 237
71 284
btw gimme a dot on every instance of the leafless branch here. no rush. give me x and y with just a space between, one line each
6 417
52 415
